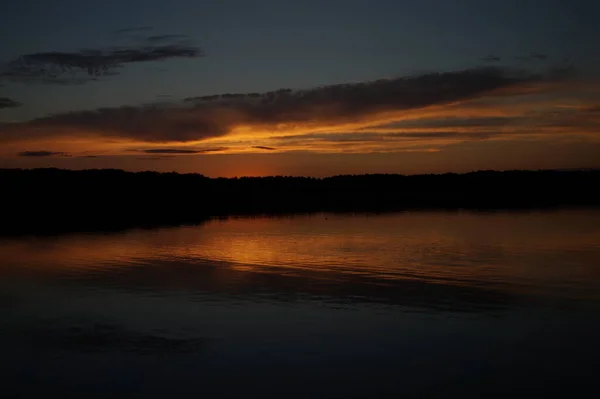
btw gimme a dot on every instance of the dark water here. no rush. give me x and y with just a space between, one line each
323 306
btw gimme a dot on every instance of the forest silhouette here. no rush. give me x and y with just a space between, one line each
53 200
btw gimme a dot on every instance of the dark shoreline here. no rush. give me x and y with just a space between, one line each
53 201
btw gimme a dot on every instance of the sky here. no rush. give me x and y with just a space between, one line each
316 88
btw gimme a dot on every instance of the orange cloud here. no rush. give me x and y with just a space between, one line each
420 113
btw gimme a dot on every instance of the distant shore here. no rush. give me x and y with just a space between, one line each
46 201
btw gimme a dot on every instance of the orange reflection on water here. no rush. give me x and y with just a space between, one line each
559 250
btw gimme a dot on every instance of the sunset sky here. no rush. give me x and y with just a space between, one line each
237 87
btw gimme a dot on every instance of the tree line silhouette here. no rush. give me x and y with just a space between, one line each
54 200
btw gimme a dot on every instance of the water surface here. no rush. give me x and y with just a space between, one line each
323 306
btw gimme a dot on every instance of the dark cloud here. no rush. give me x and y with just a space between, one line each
530 121
562 72
533 57
461 135
89 64
164 38
182 151
42 154
358 137
490 58
262 147
592 109
154 158
455 122
8 103
135 29
217 115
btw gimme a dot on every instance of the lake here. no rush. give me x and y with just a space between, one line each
394 305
